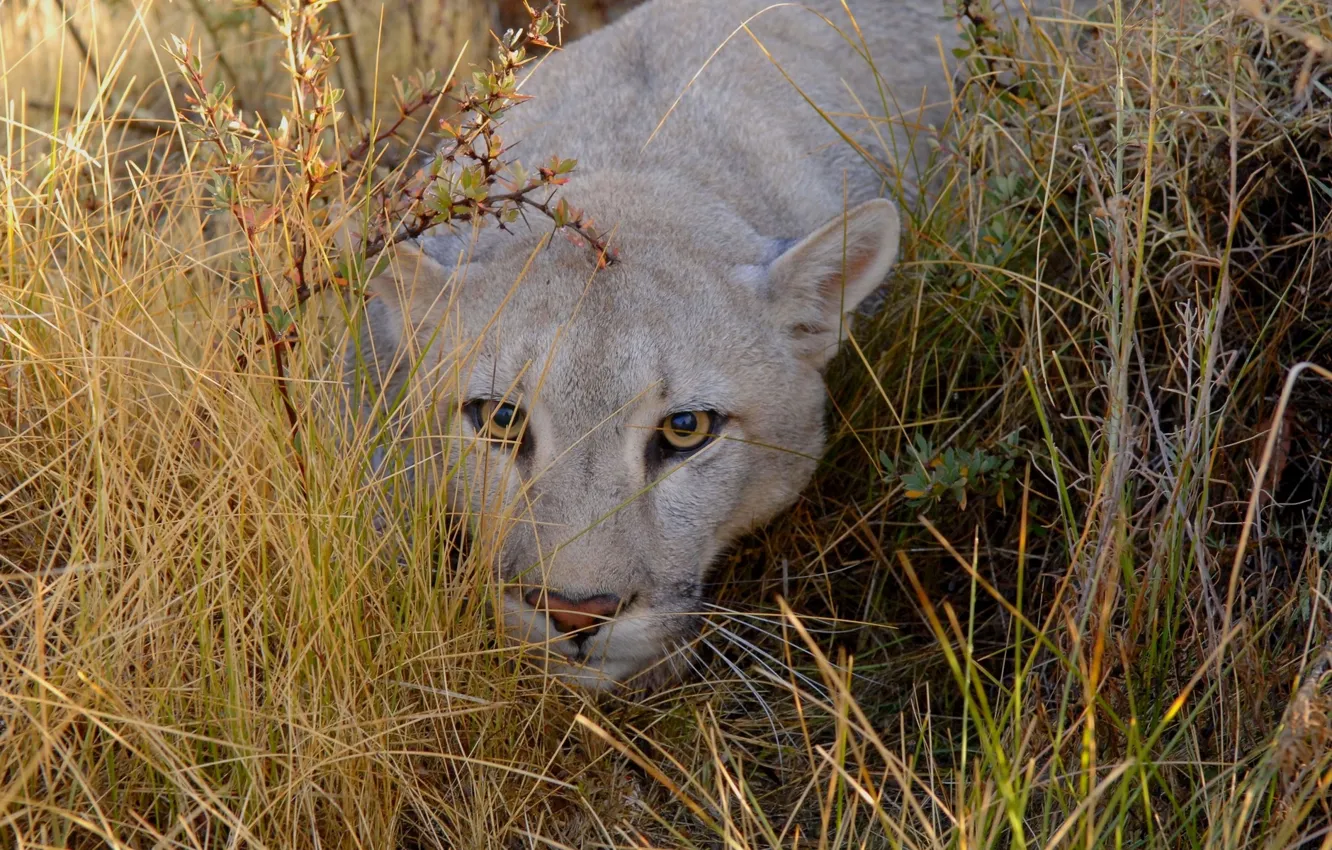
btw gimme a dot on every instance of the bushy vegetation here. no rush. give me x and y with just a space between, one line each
1061 581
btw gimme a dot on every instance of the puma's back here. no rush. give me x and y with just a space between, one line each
614 430
722 95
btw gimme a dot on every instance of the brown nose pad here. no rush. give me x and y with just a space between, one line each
583 616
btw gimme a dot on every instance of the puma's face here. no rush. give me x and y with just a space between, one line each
621 445
617 430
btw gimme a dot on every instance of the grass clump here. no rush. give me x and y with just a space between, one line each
1061 581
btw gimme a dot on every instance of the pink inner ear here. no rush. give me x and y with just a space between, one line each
857 264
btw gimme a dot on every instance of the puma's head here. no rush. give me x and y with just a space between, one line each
613 431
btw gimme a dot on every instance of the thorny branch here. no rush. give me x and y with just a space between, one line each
227 138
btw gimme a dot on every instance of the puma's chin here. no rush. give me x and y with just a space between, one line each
606 674
602 674
637 651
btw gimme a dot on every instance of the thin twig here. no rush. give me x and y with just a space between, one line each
227 70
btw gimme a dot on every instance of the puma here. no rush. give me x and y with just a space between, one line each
613 431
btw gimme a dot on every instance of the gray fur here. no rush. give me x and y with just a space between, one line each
729 295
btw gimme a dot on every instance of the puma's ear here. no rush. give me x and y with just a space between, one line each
410 284
400 300
816 284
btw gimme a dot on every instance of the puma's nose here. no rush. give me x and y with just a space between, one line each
584 616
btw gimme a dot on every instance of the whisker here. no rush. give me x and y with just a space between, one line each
760 656
761 617
749 685
690 654
779 638
773 635
748 648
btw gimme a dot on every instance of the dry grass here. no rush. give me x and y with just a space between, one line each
1100 621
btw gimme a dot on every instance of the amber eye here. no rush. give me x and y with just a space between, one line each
687 431
497 420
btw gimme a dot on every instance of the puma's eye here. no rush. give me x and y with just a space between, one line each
497 420
688 430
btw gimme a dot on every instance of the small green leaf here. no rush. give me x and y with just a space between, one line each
279 319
